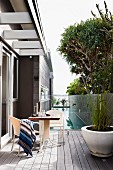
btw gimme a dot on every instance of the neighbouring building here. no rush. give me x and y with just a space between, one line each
26 74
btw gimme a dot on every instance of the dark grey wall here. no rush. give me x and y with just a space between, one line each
29 81
15 107
45 81
44 72
36 72
25 98
5 6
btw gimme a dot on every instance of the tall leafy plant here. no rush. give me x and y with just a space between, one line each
100 113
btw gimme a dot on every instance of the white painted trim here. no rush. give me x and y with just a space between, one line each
37 25
16 77
15 18
19 34
0 91
5 139
26 44
32 52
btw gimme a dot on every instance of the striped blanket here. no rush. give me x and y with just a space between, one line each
27 136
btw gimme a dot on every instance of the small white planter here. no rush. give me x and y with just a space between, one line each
99 143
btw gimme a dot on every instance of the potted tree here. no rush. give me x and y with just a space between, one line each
99 135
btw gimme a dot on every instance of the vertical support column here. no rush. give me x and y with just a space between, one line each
1 56
11 74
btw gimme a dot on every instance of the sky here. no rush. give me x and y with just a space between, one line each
56 15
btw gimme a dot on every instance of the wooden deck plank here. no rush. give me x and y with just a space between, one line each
45 160
45 164
109 162
67 154
86 151
39 159
60 159
72 155
4 157
29 163
94 162
82 157
53 159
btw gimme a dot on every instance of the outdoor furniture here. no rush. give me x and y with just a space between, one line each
24 126
27 136
16 127
45 126
57 123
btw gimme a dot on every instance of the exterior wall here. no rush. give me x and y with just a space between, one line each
3 119
25 97
36 80
33 73
26 91
51 92
44 72
5 6
45 82
15 108
39 75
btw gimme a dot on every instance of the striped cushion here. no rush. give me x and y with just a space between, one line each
27 136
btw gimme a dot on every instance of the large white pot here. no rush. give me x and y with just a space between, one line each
99 143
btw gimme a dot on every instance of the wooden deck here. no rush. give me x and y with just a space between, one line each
72 155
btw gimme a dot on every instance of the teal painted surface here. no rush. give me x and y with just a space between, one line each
78 113
71 120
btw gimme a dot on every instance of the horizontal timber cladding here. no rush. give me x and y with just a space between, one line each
36 80
45 82
44 72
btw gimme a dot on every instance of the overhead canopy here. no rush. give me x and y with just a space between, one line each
30 38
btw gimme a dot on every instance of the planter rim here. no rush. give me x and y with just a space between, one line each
92 131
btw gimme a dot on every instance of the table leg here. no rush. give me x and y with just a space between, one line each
46 129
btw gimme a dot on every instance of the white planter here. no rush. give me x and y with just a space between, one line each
99 143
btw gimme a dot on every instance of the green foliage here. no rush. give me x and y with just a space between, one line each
53 101
87 47
101 117
76 88
69 123
63 102
58 102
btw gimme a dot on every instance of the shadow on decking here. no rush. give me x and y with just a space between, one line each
73 154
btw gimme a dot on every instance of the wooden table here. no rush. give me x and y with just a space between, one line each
45 121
